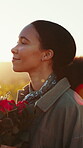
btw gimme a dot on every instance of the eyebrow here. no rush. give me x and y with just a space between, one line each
23 37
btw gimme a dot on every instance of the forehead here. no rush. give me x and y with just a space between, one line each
29 32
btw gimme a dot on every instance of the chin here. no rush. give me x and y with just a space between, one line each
16 69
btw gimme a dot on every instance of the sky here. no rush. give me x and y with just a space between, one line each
16 14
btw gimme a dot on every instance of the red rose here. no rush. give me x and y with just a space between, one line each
21 105
6 105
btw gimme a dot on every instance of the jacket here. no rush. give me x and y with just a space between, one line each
59 121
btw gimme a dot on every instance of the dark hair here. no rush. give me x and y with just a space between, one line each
55 37
74 72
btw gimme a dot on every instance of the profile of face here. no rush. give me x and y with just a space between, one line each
43 41
27 54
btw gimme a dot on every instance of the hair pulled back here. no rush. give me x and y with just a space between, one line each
54 36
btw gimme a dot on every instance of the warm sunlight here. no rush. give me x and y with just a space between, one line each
41 95
14 15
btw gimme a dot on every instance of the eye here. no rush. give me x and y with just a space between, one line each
22 41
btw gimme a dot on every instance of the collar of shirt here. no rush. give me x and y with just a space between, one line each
49 98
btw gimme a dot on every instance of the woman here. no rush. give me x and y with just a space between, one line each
44 50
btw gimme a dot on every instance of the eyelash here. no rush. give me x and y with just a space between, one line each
21 42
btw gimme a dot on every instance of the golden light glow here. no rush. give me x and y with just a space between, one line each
42 80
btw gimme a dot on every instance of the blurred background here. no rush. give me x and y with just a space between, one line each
16 14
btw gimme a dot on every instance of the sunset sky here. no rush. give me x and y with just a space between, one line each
16 14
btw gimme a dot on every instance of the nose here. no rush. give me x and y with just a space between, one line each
14 50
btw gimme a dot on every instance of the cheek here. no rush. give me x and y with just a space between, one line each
32 61
32 58
30 54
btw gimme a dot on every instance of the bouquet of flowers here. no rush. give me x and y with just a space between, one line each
15 122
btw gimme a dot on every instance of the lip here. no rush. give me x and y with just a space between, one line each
15 59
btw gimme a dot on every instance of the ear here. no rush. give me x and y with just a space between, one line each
47 54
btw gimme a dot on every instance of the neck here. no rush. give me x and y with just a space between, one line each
38 79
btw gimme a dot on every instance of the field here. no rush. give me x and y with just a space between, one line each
11 81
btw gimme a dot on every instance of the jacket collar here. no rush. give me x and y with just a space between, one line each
47 100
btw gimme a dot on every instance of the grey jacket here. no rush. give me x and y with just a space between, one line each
60 119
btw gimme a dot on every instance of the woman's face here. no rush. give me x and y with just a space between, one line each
27 53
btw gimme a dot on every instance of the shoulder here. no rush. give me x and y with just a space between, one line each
59 95
71 97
